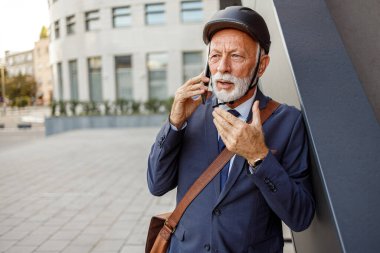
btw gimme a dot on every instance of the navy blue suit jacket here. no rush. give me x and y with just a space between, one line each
246 216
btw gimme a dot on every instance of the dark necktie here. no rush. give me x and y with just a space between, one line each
221 146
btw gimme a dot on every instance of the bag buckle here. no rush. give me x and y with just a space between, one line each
168 227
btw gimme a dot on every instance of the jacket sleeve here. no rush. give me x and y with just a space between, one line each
286 186
163 160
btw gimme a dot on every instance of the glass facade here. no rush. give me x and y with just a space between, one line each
124 81
121 16
157 75
192 64
155 14
95 79
192 11
70 25
60 81
73 73
92 20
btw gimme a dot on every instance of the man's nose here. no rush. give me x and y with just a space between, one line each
224 65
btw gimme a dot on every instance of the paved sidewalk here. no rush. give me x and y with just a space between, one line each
81 191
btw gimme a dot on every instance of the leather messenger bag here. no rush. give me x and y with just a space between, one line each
162 226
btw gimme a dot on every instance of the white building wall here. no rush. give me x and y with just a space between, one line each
278 81
138 40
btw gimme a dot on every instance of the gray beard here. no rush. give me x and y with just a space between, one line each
241 86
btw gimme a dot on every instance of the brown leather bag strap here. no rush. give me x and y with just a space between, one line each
214 168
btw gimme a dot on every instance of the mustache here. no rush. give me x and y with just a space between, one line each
225 78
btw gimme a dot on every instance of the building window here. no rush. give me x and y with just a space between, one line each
60 81
124 83
95 78
191 11
157 72
92 20
155 14
56 29
192 64
121 16
73 72
70 25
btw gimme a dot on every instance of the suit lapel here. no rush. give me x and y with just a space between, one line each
211 135
236 170
239 161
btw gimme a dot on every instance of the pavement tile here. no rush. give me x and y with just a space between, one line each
65 235
95 229
133 249
86 239
109 246
33 240
11 221
53 245
21 249
6 244
75 225
27 226
14 235
77 249
4 229
45 230
120 234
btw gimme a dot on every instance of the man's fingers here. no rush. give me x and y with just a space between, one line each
231 119
222 122
256 120
194 93
194 80
222 130
197 86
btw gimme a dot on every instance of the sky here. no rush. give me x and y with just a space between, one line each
20 23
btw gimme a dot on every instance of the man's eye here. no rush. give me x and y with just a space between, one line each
214 57
236 56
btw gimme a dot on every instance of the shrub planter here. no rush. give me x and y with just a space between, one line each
55 125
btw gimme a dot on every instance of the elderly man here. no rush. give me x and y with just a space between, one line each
267 180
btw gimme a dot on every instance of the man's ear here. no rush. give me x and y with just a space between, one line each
264 62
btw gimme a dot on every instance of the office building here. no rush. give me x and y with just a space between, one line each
109 50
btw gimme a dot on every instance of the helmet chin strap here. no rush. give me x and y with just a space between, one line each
252 83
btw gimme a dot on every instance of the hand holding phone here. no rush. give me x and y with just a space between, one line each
207 73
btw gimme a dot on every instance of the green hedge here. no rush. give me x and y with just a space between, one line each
118 107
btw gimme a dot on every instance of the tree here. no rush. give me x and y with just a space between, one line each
21 90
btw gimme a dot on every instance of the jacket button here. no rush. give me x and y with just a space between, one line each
266 180
217 212
207 247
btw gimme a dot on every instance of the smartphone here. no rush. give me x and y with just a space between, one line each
207 74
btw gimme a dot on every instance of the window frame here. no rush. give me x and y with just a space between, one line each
91 70
191 10
185 66
74 95
115 16
56 29
163 12
151 69
70 24
117 84
91 19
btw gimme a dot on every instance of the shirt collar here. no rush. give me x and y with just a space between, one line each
244 109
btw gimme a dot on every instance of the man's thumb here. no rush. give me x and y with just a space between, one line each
256 113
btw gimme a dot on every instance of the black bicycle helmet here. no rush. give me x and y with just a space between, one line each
240 18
